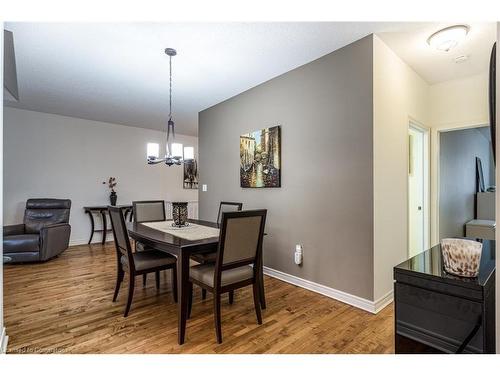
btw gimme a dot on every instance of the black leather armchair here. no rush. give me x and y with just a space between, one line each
43 235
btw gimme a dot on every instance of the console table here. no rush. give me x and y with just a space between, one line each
102 211
443 313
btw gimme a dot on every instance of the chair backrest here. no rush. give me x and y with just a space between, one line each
240 240
228 207
145 211
45 211
120 234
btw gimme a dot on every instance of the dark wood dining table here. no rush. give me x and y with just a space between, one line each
182 249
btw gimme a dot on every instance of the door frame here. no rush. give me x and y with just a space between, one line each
426 131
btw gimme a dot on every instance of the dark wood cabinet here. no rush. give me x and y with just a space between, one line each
436 312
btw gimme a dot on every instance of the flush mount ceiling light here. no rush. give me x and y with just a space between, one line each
448 38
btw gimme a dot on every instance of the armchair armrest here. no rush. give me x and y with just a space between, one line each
54 239
13 230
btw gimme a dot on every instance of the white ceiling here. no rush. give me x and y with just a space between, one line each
437 66
119 73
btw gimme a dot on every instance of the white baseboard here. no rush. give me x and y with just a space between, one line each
371 306
384 301
3 341
84 241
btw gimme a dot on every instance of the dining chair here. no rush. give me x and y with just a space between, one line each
238 254
228 207
138 263
210 257
147 211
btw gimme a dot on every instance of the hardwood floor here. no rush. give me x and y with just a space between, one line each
64 306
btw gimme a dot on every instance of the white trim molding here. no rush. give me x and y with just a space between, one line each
383 301
3 341
95 241
371 306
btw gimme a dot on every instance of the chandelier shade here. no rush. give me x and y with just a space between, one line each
153 150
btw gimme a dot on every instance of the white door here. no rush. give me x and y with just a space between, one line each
416 191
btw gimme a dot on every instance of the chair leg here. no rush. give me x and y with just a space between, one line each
190 299
217 317
231 297
174 283
144 277
203 294
119 279
130 293
256 301
157 279
262 294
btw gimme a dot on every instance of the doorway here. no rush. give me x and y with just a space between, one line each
418 189
460 197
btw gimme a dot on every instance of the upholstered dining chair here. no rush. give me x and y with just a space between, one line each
228 207
238 253
138 263
210 257
147 211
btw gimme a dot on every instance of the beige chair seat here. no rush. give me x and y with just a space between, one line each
205 257
205 273
149 259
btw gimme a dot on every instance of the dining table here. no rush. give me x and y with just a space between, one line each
182 248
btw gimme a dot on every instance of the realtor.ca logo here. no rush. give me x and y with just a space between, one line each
36 350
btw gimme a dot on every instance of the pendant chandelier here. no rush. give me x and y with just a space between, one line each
175 153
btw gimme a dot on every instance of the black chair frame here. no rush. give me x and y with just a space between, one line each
131 269
217 288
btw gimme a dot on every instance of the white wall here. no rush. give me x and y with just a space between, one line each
62 157
457 104
399 95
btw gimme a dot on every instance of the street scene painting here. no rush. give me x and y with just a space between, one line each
260 158
190 180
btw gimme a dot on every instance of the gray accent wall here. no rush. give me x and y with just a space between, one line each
457 177
325 109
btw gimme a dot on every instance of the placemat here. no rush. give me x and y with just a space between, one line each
193 232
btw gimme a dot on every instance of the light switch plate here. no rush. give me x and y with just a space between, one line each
204 187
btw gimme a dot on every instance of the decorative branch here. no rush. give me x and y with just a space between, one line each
111 183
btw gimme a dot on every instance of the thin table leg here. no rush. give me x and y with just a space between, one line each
104 227
182 293
91 226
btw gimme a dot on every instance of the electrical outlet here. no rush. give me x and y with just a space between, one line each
298 255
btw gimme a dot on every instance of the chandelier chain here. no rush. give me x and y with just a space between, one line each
170 90
169 158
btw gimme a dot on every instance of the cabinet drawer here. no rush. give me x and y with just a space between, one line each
438 319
